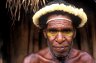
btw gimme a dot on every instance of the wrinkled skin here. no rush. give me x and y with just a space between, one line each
60 34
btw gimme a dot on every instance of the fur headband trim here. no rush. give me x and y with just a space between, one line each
61 7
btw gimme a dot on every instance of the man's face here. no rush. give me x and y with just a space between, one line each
60 34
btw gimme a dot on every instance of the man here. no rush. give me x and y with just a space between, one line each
59 21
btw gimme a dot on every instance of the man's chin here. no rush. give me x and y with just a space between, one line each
61 52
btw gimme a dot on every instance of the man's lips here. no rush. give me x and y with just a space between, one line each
60 48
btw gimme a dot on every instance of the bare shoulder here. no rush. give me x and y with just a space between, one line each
32 58
86 57
35 58
81 56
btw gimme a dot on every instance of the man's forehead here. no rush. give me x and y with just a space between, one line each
58 17
60 24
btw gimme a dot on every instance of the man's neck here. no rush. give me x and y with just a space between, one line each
61 59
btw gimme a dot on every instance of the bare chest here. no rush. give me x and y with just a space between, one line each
56 61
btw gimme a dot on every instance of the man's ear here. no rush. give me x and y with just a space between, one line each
44 33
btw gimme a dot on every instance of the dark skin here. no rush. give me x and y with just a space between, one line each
44 56
60 37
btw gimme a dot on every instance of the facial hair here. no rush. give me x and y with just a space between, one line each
61 59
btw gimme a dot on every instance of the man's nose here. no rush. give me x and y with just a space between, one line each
60 38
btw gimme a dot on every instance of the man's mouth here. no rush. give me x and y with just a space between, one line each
60 48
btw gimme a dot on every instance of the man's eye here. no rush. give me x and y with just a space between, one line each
67 32
52 32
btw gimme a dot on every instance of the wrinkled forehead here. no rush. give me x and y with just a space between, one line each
60 24
59 20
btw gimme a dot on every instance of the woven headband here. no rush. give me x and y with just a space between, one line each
58 19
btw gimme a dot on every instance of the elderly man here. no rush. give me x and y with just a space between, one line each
59 21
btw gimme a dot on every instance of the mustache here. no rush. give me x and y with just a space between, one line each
60 46
65 44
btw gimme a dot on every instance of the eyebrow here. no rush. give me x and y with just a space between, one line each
52 29
66 29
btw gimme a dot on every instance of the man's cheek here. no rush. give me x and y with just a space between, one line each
69 39
50 37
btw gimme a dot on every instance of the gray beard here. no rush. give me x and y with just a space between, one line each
61 58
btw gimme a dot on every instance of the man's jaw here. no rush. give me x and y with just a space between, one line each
59 51
56 54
